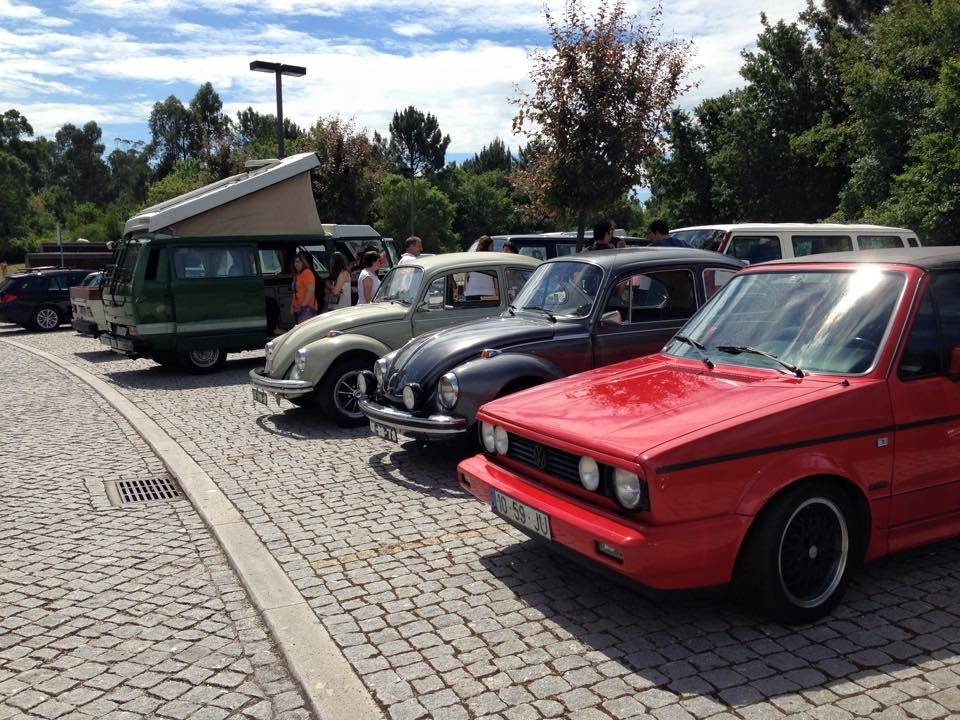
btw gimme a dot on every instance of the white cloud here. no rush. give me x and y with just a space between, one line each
411 29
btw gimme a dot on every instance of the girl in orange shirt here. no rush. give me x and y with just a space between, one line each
304 289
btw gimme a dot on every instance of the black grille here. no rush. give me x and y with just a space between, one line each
558 463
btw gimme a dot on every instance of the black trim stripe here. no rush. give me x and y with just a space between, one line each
803 443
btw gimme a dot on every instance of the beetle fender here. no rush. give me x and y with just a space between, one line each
482 380
323 353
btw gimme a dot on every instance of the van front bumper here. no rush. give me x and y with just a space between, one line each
682 555
122 345
433 427
279 388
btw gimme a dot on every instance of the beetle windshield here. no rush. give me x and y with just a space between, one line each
833 322
400 285
565 289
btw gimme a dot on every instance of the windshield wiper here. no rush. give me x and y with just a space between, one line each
701 350
553 318
737 349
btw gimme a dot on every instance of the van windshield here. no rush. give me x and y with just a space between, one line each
400 285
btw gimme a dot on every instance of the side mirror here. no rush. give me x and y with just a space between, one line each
953 371
611 319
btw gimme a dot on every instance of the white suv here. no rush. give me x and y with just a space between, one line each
760 242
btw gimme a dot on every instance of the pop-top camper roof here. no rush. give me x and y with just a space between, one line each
272 198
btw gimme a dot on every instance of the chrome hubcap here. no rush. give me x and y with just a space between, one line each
345 394
204 358
813 554
47 318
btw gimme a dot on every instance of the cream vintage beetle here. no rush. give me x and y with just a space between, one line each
317 363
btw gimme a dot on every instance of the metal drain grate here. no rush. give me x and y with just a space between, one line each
125 492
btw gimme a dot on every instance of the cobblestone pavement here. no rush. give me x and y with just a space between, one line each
109 612
446 612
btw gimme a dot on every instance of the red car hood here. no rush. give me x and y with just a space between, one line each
627 409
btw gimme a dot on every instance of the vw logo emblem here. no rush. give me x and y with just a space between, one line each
540 456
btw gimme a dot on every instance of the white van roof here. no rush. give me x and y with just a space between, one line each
798 227
232 206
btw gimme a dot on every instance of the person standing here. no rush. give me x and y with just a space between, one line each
338 282
658 232
304 289
411 250
602 236
369 281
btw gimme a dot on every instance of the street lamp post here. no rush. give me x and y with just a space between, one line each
279 69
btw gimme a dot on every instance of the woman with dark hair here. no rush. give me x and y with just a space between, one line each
484 243
304 288
369 281
509 247
338 282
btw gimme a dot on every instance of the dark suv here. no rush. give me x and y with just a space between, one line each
39 299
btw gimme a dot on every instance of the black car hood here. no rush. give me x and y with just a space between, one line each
425 359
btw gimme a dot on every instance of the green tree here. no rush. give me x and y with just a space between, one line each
253 128
130 173
14 198
600 98
435 213
79 165
417 147
184 177
172 133
212 130
483 203
680 179
495 156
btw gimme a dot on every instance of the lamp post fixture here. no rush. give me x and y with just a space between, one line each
278 69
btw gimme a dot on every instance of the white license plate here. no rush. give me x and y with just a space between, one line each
259 396
387 433
520 513
120 330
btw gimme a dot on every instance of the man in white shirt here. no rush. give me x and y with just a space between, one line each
411 250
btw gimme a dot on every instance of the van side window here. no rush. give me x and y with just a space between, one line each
817 244
714 279
913 242
270 262
879 242
756 249
153 262
213 262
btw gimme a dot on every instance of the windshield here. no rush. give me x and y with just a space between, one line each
562 288
400 285
830 322
704 238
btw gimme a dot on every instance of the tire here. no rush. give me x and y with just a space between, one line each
200 362
331 394
46 318
798 558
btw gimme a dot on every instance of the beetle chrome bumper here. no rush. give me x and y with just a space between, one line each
434 427
280 388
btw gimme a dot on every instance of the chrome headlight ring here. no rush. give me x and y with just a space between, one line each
300 363
448 391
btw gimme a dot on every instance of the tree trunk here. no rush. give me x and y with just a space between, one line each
581 227
413 204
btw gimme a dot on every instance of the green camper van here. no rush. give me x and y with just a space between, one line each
209 272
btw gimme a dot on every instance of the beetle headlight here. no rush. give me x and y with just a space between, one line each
500 440
629 488
487 437
301 362
268 353
409 397
366 383
589 473
448 390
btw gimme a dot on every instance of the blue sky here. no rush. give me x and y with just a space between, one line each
110 60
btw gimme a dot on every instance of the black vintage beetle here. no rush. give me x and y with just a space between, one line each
575 313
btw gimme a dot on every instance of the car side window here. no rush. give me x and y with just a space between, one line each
756 249
946 294
817 244
714 279
57 282
436 297
922 355
478 288
653 297
213 262
516 279
535 251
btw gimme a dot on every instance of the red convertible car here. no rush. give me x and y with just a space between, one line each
806 419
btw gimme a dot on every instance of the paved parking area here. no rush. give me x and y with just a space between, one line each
110 612
446 612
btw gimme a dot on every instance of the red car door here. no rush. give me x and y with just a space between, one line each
926 410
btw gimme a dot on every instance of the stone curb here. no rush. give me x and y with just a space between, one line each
329 683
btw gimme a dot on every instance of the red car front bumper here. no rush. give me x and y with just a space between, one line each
692 554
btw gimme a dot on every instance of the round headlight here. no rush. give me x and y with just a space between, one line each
362 384
409 397
301 361
380 369
628 488
487 437
501 441
448 390
589 473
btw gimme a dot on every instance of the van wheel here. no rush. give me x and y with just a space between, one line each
202 361
337 393
798 558
45 318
